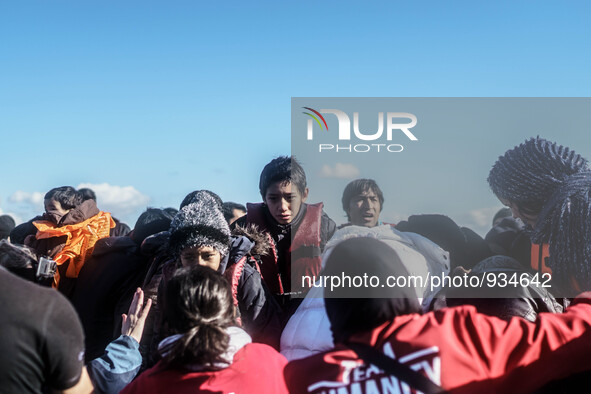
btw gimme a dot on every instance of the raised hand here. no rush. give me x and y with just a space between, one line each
133 322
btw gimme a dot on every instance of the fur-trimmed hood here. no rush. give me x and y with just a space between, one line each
262 242
249 240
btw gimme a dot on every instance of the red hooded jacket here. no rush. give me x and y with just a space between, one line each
459 349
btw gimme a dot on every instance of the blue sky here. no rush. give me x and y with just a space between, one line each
157 99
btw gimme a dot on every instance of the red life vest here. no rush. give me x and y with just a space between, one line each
303 256
233 274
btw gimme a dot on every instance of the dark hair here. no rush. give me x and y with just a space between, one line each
351 310
16 256
197 305
358 186
189 198
87 194
172 211
7 224
67 196
282 169
150 222
21 260
229 207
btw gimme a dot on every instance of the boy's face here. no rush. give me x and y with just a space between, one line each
54 210
205 256
284 201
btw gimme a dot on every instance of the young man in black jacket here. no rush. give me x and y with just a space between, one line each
299 231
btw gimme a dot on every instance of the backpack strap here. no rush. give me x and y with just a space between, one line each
394 367
233 274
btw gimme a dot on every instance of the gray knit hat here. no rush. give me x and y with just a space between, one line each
201 223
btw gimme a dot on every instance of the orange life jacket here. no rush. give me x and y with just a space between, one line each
81 238
539 262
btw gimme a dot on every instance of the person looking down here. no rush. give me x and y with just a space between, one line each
67 232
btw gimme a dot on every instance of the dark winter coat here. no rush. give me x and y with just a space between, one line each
506 299
257 308
259 311
105 288
282 237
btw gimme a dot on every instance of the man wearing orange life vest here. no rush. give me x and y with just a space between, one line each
67 233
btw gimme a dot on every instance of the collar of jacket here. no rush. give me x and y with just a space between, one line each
284 229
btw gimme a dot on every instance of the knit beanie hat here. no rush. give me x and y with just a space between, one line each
6 226
530 173
200 223
553 182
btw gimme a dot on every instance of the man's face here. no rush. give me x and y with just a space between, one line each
530 220
364 209
284 201
54 210
205 256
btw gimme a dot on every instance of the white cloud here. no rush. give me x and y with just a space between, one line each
483 216
479 220
17 218
340 170
23 204
119 200
392 217
21 197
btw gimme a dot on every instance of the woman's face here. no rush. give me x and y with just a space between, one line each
530 220
205 256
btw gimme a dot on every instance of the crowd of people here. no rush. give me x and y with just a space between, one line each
212 296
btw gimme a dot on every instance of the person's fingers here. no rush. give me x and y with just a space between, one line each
146 310
140 301
134 304
124 319
139 321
